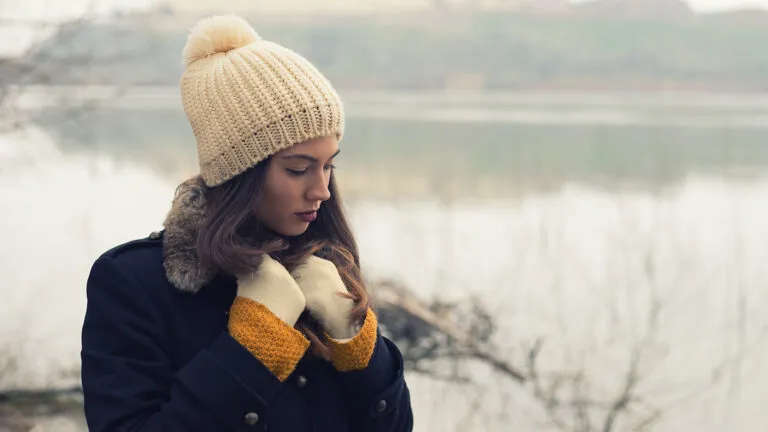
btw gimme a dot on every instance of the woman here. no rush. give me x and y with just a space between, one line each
248 311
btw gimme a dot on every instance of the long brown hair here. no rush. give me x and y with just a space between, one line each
232 240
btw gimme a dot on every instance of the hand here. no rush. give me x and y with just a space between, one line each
261 319
324 292
272 286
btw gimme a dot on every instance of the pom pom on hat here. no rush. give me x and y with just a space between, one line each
218 34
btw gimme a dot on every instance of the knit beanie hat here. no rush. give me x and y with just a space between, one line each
247 98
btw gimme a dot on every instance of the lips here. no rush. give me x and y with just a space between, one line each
307 216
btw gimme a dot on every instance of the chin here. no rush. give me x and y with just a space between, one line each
294 231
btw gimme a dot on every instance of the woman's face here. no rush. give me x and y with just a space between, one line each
296 184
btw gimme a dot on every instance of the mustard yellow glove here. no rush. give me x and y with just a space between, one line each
356 353
275 288
262 317
323 288
351 346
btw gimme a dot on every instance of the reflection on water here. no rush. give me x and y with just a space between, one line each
60 212
583 270
412 159
569 234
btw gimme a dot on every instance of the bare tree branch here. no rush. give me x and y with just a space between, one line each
457 341
549 400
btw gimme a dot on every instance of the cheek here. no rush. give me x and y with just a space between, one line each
281 193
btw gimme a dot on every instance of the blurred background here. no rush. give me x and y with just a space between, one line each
572 195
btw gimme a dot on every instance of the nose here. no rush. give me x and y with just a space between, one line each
318 189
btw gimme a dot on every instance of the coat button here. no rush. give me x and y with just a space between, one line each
251 418
301 382
381 406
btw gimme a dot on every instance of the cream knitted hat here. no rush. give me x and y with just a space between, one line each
247 98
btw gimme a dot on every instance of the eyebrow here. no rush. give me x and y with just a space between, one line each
307 157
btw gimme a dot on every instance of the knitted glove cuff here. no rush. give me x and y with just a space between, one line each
355 353
273 342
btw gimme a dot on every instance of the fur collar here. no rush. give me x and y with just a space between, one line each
182 225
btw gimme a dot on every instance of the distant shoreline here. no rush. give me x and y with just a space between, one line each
58 95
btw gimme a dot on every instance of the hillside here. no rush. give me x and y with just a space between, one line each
477 52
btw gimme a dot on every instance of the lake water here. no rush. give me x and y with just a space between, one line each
609 227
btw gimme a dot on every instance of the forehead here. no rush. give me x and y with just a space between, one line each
320 148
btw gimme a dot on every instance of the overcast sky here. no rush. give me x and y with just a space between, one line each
14 39
63 9
58 9
708 5
717 5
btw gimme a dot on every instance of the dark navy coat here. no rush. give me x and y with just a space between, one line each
156 358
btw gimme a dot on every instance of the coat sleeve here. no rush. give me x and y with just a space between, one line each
129 384
378 395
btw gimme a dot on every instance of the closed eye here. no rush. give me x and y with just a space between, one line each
296 172
301 172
